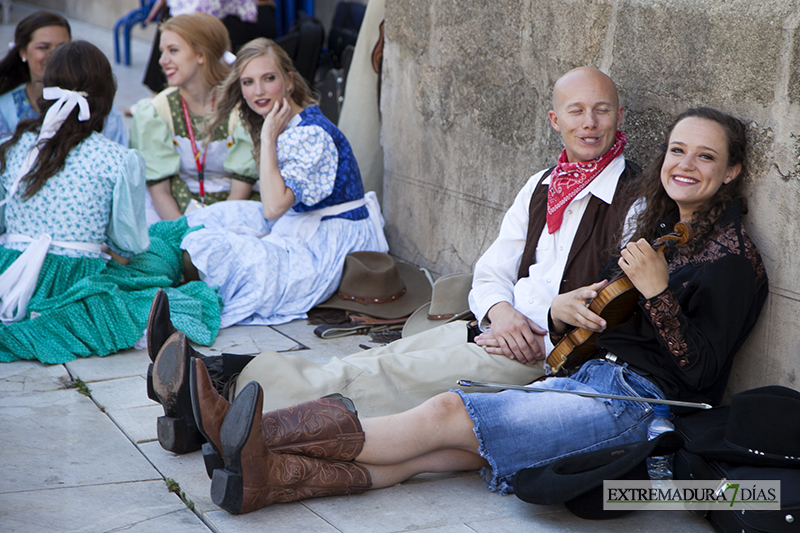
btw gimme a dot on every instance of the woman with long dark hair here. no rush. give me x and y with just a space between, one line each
21 71
698 304
70 201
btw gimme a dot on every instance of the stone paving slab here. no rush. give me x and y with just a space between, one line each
120 394
60 438
142 507
437 500
31 376
321 350
284 518
249 340
137 423
127 363
188 470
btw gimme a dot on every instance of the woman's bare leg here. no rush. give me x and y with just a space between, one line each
438 461
441 423
190 272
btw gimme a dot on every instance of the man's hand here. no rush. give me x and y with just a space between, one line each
513 335
572 308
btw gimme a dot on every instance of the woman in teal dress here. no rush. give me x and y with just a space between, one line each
71 200
22 68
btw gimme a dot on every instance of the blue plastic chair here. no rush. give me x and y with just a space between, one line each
125 24
286 12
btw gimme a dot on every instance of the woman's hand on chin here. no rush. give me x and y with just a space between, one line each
276 121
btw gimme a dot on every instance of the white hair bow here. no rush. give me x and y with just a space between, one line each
55 117
58 112
228 58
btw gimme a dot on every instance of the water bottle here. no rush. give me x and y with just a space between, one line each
660 467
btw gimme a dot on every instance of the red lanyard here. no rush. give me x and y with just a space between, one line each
200 164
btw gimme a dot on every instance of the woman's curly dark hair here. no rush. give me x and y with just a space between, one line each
76 66
705 221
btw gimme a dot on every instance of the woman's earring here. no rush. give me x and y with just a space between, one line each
24 60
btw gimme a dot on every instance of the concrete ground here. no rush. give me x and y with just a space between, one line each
86 458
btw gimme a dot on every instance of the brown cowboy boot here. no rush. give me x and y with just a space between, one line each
209 409
327 428
254 477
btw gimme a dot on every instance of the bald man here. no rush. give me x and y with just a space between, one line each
555 238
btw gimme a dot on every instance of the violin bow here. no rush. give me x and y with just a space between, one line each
500 386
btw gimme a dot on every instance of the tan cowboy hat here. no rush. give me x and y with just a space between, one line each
374 284
448 303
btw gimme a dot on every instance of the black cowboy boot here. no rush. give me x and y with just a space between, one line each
177 431
159 329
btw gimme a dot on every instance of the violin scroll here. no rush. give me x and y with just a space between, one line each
681 234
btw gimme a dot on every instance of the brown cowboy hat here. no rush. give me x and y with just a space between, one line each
449 302
374 284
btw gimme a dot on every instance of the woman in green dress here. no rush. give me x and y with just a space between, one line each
182 163
70 201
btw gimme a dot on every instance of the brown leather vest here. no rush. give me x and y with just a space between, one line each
599 231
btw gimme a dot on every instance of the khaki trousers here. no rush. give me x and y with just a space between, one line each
389 379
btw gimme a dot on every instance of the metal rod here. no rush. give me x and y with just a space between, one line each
500 386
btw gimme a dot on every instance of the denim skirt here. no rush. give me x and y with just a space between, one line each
519 429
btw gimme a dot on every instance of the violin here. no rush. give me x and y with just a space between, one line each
615 303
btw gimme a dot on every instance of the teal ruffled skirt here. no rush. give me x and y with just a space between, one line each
85 306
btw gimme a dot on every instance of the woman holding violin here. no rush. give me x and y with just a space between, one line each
699 301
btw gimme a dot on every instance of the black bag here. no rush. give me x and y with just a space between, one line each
344 30
689 466
303 44
331 88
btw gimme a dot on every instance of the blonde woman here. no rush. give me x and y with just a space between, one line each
185 160
275 259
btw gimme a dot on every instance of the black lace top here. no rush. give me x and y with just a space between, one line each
685 338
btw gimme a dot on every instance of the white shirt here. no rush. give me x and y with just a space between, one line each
495 276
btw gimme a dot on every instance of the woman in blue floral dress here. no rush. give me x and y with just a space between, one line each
70 199
274 260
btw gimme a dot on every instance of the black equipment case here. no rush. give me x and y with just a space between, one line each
689 466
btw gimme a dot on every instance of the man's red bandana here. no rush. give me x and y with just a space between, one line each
568 179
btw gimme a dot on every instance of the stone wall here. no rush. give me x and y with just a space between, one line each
466 89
